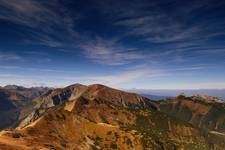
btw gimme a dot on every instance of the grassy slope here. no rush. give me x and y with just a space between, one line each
103 126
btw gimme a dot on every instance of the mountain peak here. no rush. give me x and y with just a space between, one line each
76 85
100 117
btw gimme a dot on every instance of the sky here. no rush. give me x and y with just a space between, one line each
147 44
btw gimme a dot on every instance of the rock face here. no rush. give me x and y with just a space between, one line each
60 96
98 117
53 97
201 111
16 103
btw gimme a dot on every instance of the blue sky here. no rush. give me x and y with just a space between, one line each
162 44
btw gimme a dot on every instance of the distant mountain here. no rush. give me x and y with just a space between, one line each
14 87
30 93
189 92
16 103
201 111
155 97
98 117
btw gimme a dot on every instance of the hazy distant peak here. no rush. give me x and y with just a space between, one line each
13 87
209 99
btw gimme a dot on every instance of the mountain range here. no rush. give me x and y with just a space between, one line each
174 92
80 117
16 102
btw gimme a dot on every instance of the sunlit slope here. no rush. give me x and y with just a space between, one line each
106 118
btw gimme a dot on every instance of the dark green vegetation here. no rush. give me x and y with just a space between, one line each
160 131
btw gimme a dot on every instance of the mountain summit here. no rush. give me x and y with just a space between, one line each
99 117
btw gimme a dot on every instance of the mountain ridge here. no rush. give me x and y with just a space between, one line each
100 117
201 111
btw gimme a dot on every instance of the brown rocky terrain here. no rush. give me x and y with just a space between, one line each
98 117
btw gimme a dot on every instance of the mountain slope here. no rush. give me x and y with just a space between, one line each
16 103
99 117
201 111
97 92
8 111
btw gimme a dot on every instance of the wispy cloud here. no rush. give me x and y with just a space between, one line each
132 75
36 70
64 77
128 76
31 13
171 36
155 24
45 20
110 52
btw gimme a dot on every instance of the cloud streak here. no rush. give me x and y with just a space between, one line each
115 78
46 21
35 70
153 22
109 52
27 12
128 76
